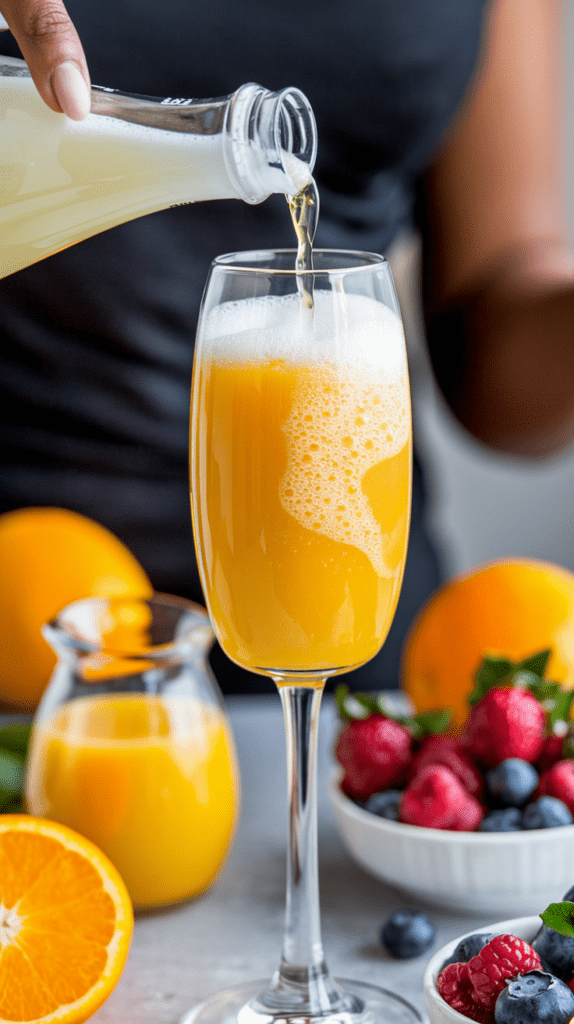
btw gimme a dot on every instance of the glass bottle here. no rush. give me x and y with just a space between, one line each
130 744
63 180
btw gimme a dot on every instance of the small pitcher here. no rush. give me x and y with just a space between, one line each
131 746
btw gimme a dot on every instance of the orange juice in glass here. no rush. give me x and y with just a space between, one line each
302 480
138 755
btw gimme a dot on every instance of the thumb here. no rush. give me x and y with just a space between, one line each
52 50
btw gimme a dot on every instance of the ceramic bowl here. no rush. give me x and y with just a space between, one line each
440 1012
509 873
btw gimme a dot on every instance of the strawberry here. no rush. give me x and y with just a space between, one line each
503 957
433 799
470 817
450 752
559 781
374 752
505 723
552 751
455 988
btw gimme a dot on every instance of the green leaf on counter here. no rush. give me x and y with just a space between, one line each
11 771
11 779
560 917
15 737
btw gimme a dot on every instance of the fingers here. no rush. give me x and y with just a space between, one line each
52 49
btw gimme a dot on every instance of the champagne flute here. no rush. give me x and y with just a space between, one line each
300 483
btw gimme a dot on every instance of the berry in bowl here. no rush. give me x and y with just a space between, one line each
478 821
514 972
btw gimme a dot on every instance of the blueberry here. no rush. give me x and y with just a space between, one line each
534 998
385 804
512 782
467 948
407 933
509 819
569 896
556 952
546 812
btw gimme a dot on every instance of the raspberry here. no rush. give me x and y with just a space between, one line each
505 956
449 752
505 723
454 986
434 798
559 781
374 752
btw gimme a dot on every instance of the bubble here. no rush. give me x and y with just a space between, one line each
348 449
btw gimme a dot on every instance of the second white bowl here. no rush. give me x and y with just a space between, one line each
439 1011
511 873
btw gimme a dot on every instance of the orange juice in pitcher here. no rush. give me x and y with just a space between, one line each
138 757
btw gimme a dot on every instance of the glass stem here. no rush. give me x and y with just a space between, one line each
303 982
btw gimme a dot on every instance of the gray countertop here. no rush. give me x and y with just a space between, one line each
233 933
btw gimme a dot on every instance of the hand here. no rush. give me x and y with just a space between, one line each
53 52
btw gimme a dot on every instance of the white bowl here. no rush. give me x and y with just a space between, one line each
439 1011
511 873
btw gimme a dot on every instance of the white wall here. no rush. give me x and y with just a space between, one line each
486 506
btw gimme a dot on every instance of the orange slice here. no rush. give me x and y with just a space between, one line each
65 923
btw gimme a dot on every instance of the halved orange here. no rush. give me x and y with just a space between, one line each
66 922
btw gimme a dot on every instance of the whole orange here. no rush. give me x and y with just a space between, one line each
48 558
512 608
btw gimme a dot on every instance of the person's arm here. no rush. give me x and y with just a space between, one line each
499 272
51 48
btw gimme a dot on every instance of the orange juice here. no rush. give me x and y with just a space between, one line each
301 487
151 780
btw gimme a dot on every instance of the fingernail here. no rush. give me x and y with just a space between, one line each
71 91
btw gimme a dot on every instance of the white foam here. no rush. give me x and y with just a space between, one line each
346 329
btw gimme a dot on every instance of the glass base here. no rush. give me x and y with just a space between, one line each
368 1005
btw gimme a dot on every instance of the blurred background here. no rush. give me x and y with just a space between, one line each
485 506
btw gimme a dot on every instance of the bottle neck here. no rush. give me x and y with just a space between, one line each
270 142
269 138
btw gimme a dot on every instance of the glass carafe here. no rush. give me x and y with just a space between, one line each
62 180
131 747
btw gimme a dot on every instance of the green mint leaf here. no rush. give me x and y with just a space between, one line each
492 672
15 737
536 662
560 917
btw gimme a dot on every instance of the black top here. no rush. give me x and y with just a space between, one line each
97 341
